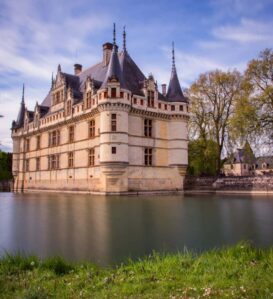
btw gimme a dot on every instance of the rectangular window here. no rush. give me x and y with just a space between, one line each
70 159
68 108
181 108
54 138
71 134
91 157
27 164
121 94
159 105
37 163
151 96
148 156
92 128
187 108
88 100
135 101
27 145
113 122
53 162
166 107
173 107
148 126
141 102
113 92
114 150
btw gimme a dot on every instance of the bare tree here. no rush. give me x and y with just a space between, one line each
213 97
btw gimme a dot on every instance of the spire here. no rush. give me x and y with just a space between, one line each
114 35
114 69
124 39
59 68
173 56
174 93
21 114
52 80
23 94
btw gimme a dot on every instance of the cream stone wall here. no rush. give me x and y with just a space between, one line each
112 173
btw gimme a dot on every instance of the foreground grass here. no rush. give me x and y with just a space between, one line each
235 272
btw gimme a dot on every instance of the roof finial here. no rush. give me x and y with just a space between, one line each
52 80
23 94
173 57
114 35
124 39
59 68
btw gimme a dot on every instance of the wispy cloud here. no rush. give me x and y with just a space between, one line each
38 35
248 31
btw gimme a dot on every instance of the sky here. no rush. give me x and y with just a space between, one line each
37 35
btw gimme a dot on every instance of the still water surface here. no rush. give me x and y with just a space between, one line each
108 230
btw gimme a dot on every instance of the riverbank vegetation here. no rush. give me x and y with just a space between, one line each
240 271
228 110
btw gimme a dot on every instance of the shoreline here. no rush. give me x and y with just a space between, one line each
155 192
227 272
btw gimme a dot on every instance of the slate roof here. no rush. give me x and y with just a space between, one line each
114 69
133 76
174 93
122 67
21 115
266 159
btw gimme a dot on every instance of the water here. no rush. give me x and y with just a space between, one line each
108 230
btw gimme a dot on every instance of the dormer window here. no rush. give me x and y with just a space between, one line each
151 97
36 120
113 92
88 99
68 108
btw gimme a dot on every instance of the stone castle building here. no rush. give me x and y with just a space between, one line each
105 129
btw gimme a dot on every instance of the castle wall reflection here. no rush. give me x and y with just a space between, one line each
110 230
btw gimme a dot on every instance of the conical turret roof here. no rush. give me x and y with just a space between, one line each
21 114
174 93
114 69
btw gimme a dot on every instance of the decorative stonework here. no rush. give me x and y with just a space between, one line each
105 151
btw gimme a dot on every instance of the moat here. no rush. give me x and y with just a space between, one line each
109 230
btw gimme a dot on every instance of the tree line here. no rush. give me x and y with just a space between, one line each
228 110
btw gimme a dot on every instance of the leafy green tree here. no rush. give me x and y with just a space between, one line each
202 157
5 166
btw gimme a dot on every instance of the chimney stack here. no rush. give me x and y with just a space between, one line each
164 89
77 69
107 49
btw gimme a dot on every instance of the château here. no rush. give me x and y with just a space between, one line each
104 129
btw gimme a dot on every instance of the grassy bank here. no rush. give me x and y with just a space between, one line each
235 272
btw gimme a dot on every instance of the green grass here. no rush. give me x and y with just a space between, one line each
240 271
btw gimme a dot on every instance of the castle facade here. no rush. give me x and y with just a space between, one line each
106 129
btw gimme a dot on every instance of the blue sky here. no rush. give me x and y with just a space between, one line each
36 35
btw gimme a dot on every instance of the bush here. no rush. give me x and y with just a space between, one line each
58 265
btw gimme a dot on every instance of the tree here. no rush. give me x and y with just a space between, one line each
213 97
202 157
5 166
259 75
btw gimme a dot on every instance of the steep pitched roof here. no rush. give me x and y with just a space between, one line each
114 69
174 93
268 160
21 115
132 75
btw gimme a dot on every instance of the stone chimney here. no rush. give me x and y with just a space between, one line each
164 89
107 49
77 69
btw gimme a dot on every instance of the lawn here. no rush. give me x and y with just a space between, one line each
241 271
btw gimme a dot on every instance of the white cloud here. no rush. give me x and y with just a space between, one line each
248 31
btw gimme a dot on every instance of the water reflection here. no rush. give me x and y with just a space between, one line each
109 230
